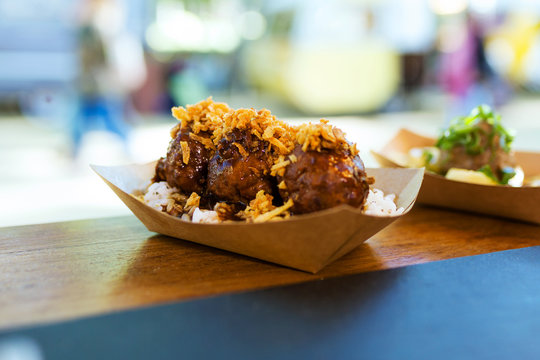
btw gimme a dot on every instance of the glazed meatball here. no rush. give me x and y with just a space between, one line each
490 153
240 168
186 164
320 180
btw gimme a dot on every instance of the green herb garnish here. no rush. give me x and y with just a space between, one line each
428 156
507 174
464 131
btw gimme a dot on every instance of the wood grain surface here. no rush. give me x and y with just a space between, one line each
67 270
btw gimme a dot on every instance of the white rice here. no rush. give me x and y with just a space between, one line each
157 196
205 216
381 205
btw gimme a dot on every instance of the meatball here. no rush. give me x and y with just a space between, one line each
489 153
186 164
240 168
319 180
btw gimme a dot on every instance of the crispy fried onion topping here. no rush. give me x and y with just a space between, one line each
322 135
262 124
261 209
206 115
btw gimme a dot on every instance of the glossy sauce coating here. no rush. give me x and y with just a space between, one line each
321 180
240 168
190 177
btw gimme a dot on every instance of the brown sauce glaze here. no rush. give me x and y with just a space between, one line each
240 168
187 177
321 180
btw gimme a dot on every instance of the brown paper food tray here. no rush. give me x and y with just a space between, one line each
306 242
521 203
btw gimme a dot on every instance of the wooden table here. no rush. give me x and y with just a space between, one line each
60 271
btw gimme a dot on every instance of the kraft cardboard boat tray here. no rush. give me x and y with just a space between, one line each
519 203
306 242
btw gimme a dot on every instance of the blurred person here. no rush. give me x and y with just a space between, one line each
465 74
458 61
111 66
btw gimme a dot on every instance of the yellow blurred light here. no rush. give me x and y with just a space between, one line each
507 47
448 7
341 80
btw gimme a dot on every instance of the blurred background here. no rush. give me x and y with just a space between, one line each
93 81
